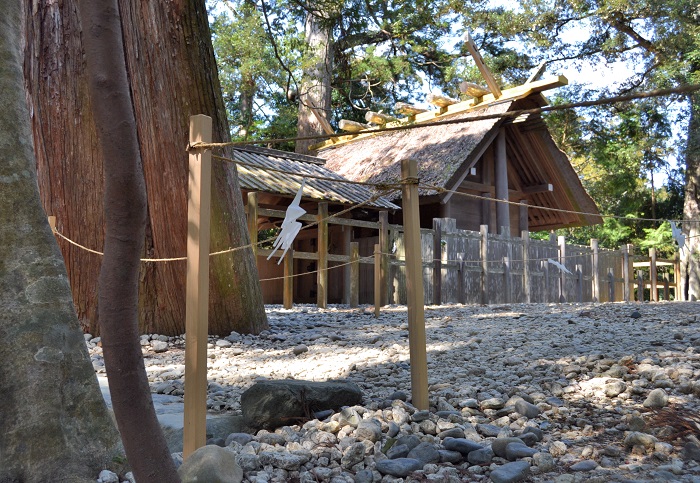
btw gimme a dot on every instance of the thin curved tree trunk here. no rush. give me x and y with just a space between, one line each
690 255
125 216
53 421
172 74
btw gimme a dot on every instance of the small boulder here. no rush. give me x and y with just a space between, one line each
211 464
511 472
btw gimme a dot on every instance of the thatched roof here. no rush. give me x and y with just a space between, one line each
445 154
255 175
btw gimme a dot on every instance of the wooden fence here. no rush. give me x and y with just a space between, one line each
468 267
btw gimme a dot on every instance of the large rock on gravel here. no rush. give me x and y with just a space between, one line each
270 404
211 464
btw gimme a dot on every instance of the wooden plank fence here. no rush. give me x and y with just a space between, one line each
468 267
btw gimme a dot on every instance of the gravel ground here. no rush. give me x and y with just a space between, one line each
610 390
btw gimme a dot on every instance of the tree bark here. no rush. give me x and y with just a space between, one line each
172 74
690 255
54 423
125 216
316 83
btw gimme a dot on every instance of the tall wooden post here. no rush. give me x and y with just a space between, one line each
197 287
501 165
625 273
507 274
640 286
579 283
354 300
322 273
527 291
414 285
678 294
288 283
377 280
437 261
347 270
384 247
523 223
252 211
484 256
562 274
595 269
611 285
653 274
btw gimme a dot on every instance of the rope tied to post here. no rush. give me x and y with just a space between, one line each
410 180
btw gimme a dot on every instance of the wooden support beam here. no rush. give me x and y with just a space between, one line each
527 291
384 247
352 126
626 275
595 269
414 286
483 256
379 118
347 270
437 261
197 287
481 65
327 128
561 241
377 280
501 182
322 273
653 274
537 74
540 188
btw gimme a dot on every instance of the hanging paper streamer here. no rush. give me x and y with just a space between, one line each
290 225
677 235
559 266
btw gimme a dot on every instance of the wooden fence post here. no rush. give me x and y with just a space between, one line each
484 255
384 247
197 287
322 273
678 294
377 279
354 274
667 290
508 275
252 212
653 274
414 285
461 296
437 261
625 273
640 285
527 291
562 275
547 289
579 283
288 287
595 269
611 285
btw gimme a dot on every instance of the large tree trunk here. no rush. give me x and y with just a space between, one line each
53 420
125 216
172 74
315 94
690 255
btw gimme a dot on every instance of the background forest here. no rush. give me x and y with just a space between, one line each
631 157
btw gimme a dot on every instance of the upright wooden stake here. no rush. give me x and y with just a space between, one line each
484 256
640 286
527 291
288 284
611 285
322 274
625 273
595 282
197 294
547 284
562 275
354 274
414 285
653 274
377 280
384 247
437 261
501 171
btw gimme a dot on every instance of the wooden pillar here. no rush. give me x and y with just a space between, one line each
197 287
595 269
523 221
384 247
288 287
377 279
507 274
414 285
611 285
678 294
640 285
561 241
667 290
579 283
347 270
484 256
461 295
354 299
392 282
252 212
653 274
322 273
547 283
625 273
437 261
486 209
527 290
501 168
